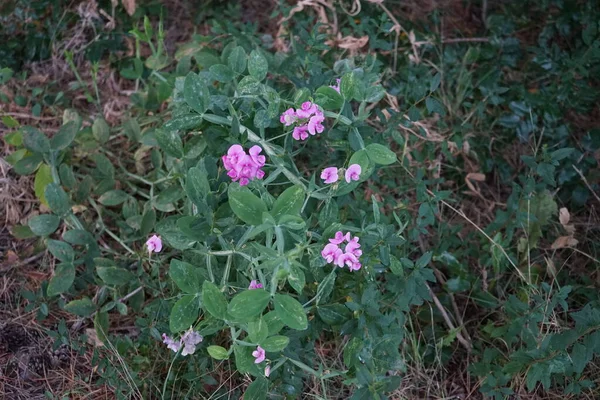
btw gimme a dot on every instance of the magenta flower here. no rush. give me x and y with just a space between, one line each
288 117
315 123
348 257
259 355
353 173
331 252
255 285
330 175
340 237
307 110
336 87
244 167
154 244
300 132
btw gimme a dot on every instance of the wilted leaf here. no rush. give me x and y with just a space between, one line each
564 241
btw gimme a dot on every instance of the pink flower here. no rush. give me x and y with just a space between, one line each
288 117
331 252
154 244
330 175
244 167
347 259
315 123
255 285
340 237
171 344
336 87
307 110
267 371
352 245
300 132
353 173
259 355
188 340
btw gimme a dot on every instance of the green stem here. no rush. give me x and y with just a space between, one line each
227 269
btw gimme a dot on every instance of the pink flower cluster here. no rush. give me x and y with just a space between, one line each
188 340
255 285
349 257
331 174
244 167
308 119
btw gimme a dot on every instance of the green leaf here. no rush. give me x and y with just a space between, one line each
348 85
218 352
43 225
374 94
28 164
101 130
61 250
435 82
248 304
114 276
113 198
434 106
170 142
148 222
101 325
197 186
10 122
257 390
329 98
334 314
380 154
246 205
186 276
289 202
237 60
57 199
244 361
183 122
184 313
249 85
43 177
257 65
290 312
221 73
64 275
65 136
67 177
559 154
258 330
325 287
296 278
35 141
275 344
82 307
22 232
196 93
214 300
78 237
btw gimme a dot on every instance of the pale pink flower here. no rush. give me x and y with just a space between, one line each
330 175
244 167
255 285
315 123
255 155
336 87
171 344
340 237
353 173
259 355
154 244
331 252
288 117
300 132
267 371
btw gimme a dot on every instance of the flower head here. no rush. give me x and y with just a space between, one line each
188 340
300 132
154 244
307 109
308 119
288 117
353 173
244 167
259 355
331 252
171 344
255 285
315 123
349 257
330 175
340 237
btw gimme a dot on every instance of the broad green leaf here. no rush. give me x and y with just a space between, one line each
435 82
197 186
196 93
374 94
34 140
296 277
257 330
246 205
221 73
148 221
333 314
28 164
329 98
10 122
114 276
273 322
101 325
237 60
61 281
257 65
16 156
22 232
57 199
61 250
78 237
257 390
183 122
249 85
170 142
434 106
170 232
218 352
275 344
113 198
67 177
65 136
214 300
184 313
248 304
43 225
101 130
186 276
325 287
290 312
82 307
380 154
43 177
289 202
244 361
